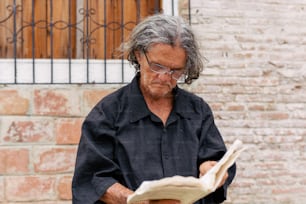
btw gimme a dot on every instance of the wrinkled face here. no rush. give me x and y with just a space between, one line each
158 85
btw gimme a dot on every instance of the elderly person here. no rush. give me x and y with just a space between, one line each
150 128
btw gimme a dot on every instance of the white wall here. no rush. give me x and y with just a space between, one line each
60 71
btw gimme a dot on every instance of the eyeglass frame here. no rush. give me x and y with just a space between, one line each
165 70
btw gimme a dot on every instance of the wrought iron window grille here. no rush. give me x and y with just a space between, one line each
81 60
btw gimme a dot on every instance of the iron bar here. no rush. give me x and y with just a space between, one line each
105 44
70 41
122 38
51 39
84 22
33 39
15 41
87 41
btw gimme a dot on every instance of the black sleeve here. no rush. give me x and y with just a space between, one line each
212 147
95 168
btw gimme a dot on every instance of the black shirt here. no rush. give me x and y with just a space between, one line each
122 141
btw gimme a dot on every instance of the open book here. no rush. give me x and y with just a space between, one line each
187 189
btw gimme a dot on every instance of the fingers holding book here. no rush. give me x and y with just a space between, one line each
206 166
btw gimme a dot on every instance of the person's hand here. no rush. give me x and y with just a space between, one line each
204 168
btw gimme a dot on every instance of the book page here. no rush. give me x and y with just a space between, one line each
187 189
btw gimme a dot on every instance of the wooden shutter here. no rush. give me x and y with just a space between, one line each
109 23
7 28
120 18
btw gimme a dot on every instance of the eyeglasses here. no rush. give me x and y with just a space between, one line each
177 74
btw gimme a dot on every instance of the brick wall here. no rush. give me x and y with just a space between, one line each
39 133
254 81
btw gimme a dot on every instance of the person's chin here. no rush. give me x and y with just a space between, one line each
160 93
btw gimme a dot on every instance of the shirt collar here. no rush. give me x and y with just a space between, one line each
137 103
183 105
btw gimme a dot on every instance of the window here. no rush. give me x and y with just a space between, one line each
76 29
69 41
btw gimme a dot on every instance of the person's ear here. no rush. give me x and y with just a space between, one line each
137 55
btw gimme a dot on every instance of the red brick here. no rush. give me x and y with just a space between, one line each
256 107
1 189
216 106
235 107
290 190
64 188
56 102
30 188
68 131
92 97
11 103
275 116
54 159
31 130
14 160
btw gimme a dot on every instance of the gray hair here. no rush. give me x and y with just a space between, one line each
165 29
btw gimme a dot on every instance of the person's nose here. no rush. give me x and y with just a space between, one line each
167 76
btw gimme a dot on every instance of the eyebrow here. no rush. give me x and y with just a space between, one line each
173 69
150 62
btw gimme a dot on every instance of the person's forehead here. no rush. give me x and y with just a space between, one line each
167 55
